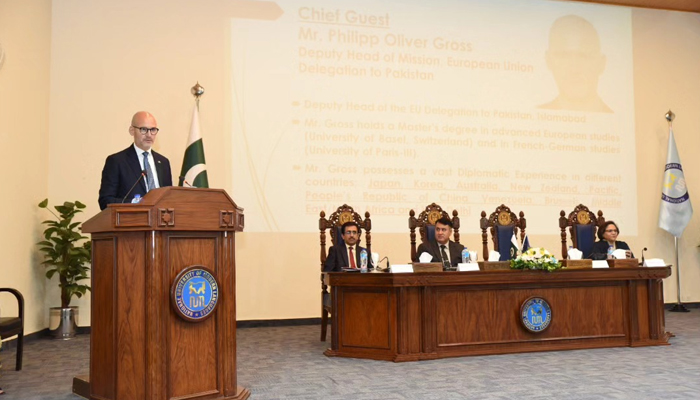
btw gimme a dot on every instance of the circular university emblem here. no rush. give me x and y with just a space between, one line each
674 190
195 293
535 314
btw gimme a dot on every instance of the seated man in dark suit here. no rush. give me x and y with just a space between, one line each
122 170
442 248
346 255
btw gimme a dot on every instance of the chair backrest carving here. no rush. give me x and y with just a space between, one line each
426 225
502 224
583 225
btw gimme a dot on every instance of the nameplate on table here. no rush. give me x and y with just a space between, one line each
600 264
401 268
468 267
654 262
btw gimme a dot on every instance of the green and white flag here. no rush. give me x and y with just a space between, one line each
194 168
513 247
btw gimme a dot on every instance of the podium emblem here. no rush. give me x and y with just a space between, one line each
195 293
535 314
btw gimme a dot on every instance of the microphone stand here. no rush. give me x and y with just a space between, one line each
377 269
143 174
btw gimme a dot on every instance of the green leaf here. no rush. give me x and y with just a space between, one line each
65 255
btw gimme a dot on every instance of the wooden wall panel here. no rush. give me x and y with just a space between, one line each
677 5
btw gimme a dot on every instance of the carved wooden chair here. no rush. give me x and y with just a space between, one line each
502 224
11 326
333 223
583 225
426 225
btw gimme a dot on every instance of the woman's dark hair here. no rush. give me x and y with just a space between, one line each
602 229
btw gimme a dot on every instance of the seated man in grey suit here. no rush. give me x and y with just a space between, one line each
442 248
347 254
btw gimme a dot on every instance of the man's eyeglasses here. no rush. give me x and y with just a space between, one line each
350 233
144 130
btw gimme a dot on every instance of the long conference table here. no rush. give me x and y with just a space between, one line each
430 315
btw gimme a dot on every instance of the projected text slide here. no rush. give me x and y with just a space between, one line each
388 107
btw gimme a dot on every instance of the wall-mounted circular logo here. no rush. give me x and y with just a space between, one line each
195 293
535 314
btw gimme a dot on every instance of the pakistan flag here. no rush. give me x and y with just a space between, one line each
194 168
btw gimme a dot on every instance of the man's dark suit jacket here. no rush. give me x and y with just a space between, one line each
600 249
122 170
338 258
433 249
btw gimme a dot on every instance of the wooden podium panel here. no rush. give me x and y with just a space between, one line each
419 316
141 348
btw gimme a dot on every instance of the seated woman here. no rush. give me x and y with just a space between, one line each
608 238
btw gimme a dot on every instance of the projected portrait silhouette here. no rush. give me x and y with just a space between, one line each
576 63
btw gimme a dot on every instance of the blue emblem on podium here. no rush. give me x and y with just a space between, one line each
535 314
195 293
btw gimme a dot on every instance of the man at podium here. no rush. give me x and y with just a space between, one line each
443 249
136 169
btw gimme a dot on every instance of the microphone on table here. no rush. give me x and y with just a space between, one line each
446 266
643 250
388 266
143 175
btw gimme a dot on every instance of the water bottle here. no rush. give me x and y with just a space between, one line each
363 261
610 252
136 199
465 255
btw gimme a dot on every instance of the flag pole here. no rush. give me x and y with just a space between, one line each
678 307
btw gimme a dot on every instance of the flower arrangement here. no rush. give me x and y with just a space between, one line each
536 258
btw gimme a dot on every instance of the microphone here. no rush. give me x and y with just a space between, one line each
143 175
183 180
388 266
446 265
643 250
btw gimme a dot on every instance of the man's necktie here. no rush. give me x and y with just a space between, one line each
445 259
351 257
150 182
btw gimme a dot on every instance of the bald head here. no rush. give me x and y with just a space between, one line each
143 119
576 63
574 34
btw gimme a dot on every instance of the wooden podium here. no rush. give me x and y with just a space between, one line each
140 346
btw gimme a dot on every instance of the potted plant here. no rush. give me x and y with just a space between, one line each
67 257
